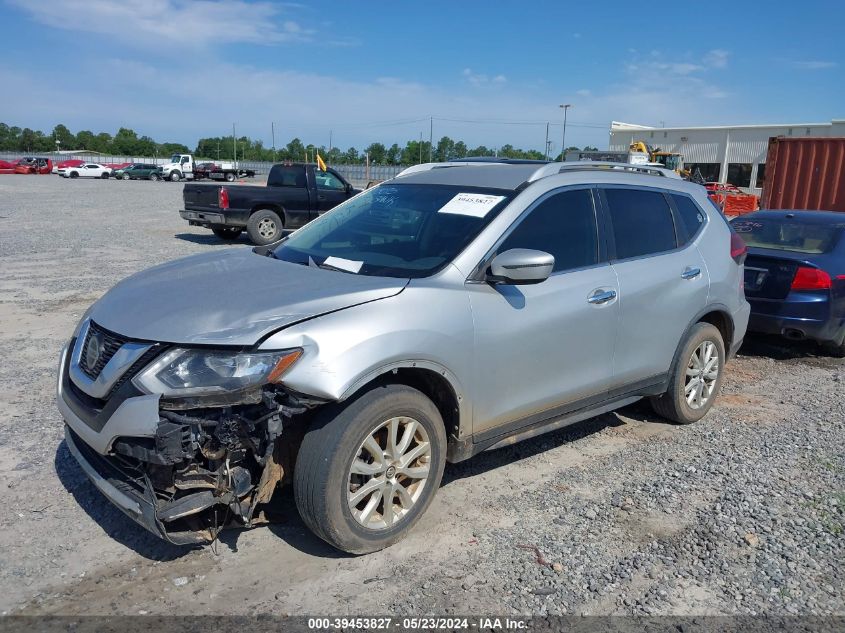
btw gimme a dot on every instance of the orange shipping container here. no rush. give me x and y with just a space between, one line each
805 173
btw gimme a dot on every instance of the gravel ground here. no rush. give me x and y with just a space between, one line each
741 513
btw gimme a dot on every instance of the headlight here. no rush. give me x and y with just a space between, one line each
197 372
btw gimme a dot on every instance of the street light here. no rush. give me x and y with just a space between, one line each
565 107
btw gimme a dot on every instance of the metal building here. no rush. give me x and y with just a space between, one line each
734 154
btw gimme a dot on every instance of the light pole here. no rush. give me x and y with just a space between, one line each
565 107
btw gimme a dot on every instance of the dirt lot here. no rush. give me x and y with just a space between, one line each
740 513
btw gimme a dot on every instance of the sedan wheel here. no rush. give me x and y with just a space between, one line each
389 473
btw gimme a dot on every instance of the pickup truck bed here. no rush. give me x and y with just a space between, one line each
295 194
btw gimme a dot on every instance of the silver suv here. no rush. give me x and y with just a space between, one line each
452 310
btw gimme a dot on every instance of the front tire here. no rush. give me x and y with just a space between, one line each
105 175
126 177
154 177
696 378
366 472
74 174
227 233
230 177
175 176
264 227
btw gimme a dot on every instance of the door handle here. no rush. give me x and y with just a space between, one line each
601 296
690 273
321 197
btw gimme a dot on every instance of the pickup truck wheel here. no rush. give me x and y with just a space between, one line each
367 471
227 233
264 227
126 176
175 177
230 177
696 378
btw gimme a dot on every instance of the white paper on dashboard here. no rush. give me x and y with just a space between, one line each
343 264
474 204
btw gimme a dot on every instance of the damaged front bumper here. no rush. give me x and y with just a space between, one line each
181 475
135 501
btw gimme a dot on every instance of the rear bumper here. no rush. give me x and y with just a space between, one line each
215 218
799 315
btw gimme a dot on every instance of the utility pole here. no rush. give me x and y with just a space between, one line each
547 141
565 107
273 133
234 143
420 148
431 140
330 141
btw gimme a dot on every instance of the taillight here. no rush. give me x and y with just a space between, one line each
223 198
738 248
807 278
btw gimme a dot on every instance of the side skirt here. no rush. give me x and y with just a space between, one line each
460 450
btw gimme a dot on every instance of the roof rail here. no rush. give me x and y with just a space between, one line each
553 169
457 162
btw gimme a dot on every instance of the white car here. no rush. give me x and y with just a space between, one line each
88 170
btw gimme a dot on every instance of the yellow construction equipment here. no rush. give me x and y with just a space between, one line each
640 153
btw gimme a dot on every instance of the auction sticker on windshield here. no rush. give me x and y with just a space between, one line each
474 204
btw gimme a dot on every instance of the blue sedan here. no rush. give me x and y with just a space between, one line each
795 274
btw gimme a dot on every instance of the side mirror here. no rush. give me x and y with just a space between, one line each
349 188
521 266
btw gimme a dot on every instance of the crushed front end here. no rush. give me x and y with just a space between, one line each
184 466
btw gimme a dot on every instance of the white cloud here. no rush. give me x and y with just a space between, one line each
480 79
717 58
813 65
159 23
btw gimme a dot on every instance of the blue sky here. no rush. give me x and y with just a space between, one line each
491 72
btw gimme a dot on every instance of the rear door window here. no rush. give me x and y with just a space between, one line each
690 215
642 222
564 225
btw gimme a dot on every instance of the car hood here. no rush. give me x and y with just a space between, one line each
233 297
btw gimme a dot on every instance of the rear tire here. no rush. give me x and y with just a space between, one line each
264 227
340 486
696 377
227 233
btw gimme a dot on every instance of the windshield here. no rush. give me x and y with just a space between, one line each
175 158
788 234
395 230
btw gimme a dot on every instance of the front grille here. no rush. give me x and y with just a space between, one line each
111 343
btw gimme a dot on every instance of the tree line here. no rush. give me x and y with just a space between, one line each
126 142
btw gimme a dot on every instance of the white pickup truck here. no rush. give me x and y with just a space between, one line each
183 166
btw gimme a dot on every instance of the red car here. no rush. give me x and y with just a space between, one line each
27 165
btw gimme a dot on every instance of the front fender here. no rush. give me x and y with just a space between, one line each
424 328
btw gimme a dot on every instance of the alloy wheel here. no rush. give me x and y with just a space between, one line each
389 473
267 228
701 375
